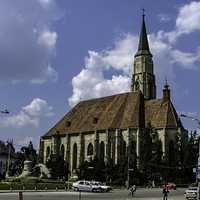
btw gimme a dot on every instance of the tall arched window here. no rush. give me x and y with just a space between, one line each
132 148
74 163
172 158
48 152
90 150
137 85
123 148
62 151
102 151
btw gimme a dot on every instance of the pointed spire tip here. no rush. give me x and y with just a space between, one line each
143 47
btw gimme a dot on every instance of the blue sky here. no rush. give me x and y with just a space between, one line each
54 53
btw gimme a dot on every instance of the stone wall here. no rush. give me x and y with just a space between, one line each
112 139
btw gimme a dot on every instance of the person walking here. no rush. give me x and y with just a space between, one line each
132 190
165 193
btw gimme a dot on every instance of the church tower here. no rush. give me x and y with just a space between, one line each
143 77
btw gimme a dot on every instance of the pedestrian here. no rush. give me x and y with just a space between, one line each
132 190
165 193
153 184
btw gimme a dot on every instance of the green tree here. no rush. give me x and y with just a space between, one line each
29 153
190 157
58 166
93 170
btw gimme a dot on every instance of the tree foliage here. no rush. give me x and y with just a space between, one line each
58 166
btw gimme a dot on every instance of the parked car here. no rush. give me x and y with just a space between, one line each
86 186
169 186
105 188
191 193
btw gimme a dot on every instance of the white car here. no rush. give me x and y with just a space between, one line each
86 186
191 193
104 187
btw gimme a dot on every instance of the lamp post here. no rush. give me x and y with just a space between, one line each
198 162
9 145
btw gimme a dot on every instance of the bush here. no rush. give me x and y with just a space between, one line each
32 186
4 186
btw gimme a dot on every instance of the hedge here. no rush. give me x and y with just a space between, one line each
33 186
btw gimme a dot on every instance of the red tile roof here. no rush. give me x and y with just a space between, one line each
118 111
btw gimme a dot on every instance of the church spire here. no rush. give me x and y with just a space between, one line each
143 47
143 77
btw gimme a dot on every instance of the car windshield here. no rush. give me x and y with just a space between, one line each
192 188
97 183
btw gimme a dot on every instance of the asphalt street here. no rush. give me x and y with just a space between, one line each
141 194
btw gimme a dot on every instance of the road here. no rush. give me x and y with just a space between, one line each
141 194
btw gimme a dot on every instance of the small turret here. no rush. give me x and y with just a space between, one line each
166 91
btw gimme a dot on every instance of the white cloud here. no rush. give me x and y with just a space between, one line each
38 107
19 120
48 39
187 21
188 18
28 40
29 115
91 81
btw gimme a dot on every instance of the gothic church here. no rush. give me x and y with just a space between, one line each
112 127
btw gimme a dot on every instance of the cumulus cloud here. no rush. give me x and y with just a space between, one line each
28 41
29 115
188 18
19 120
92 81
38 107
187 21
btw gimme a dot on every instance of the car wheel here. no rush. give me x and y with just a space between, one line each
76 189
102 190
93 190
